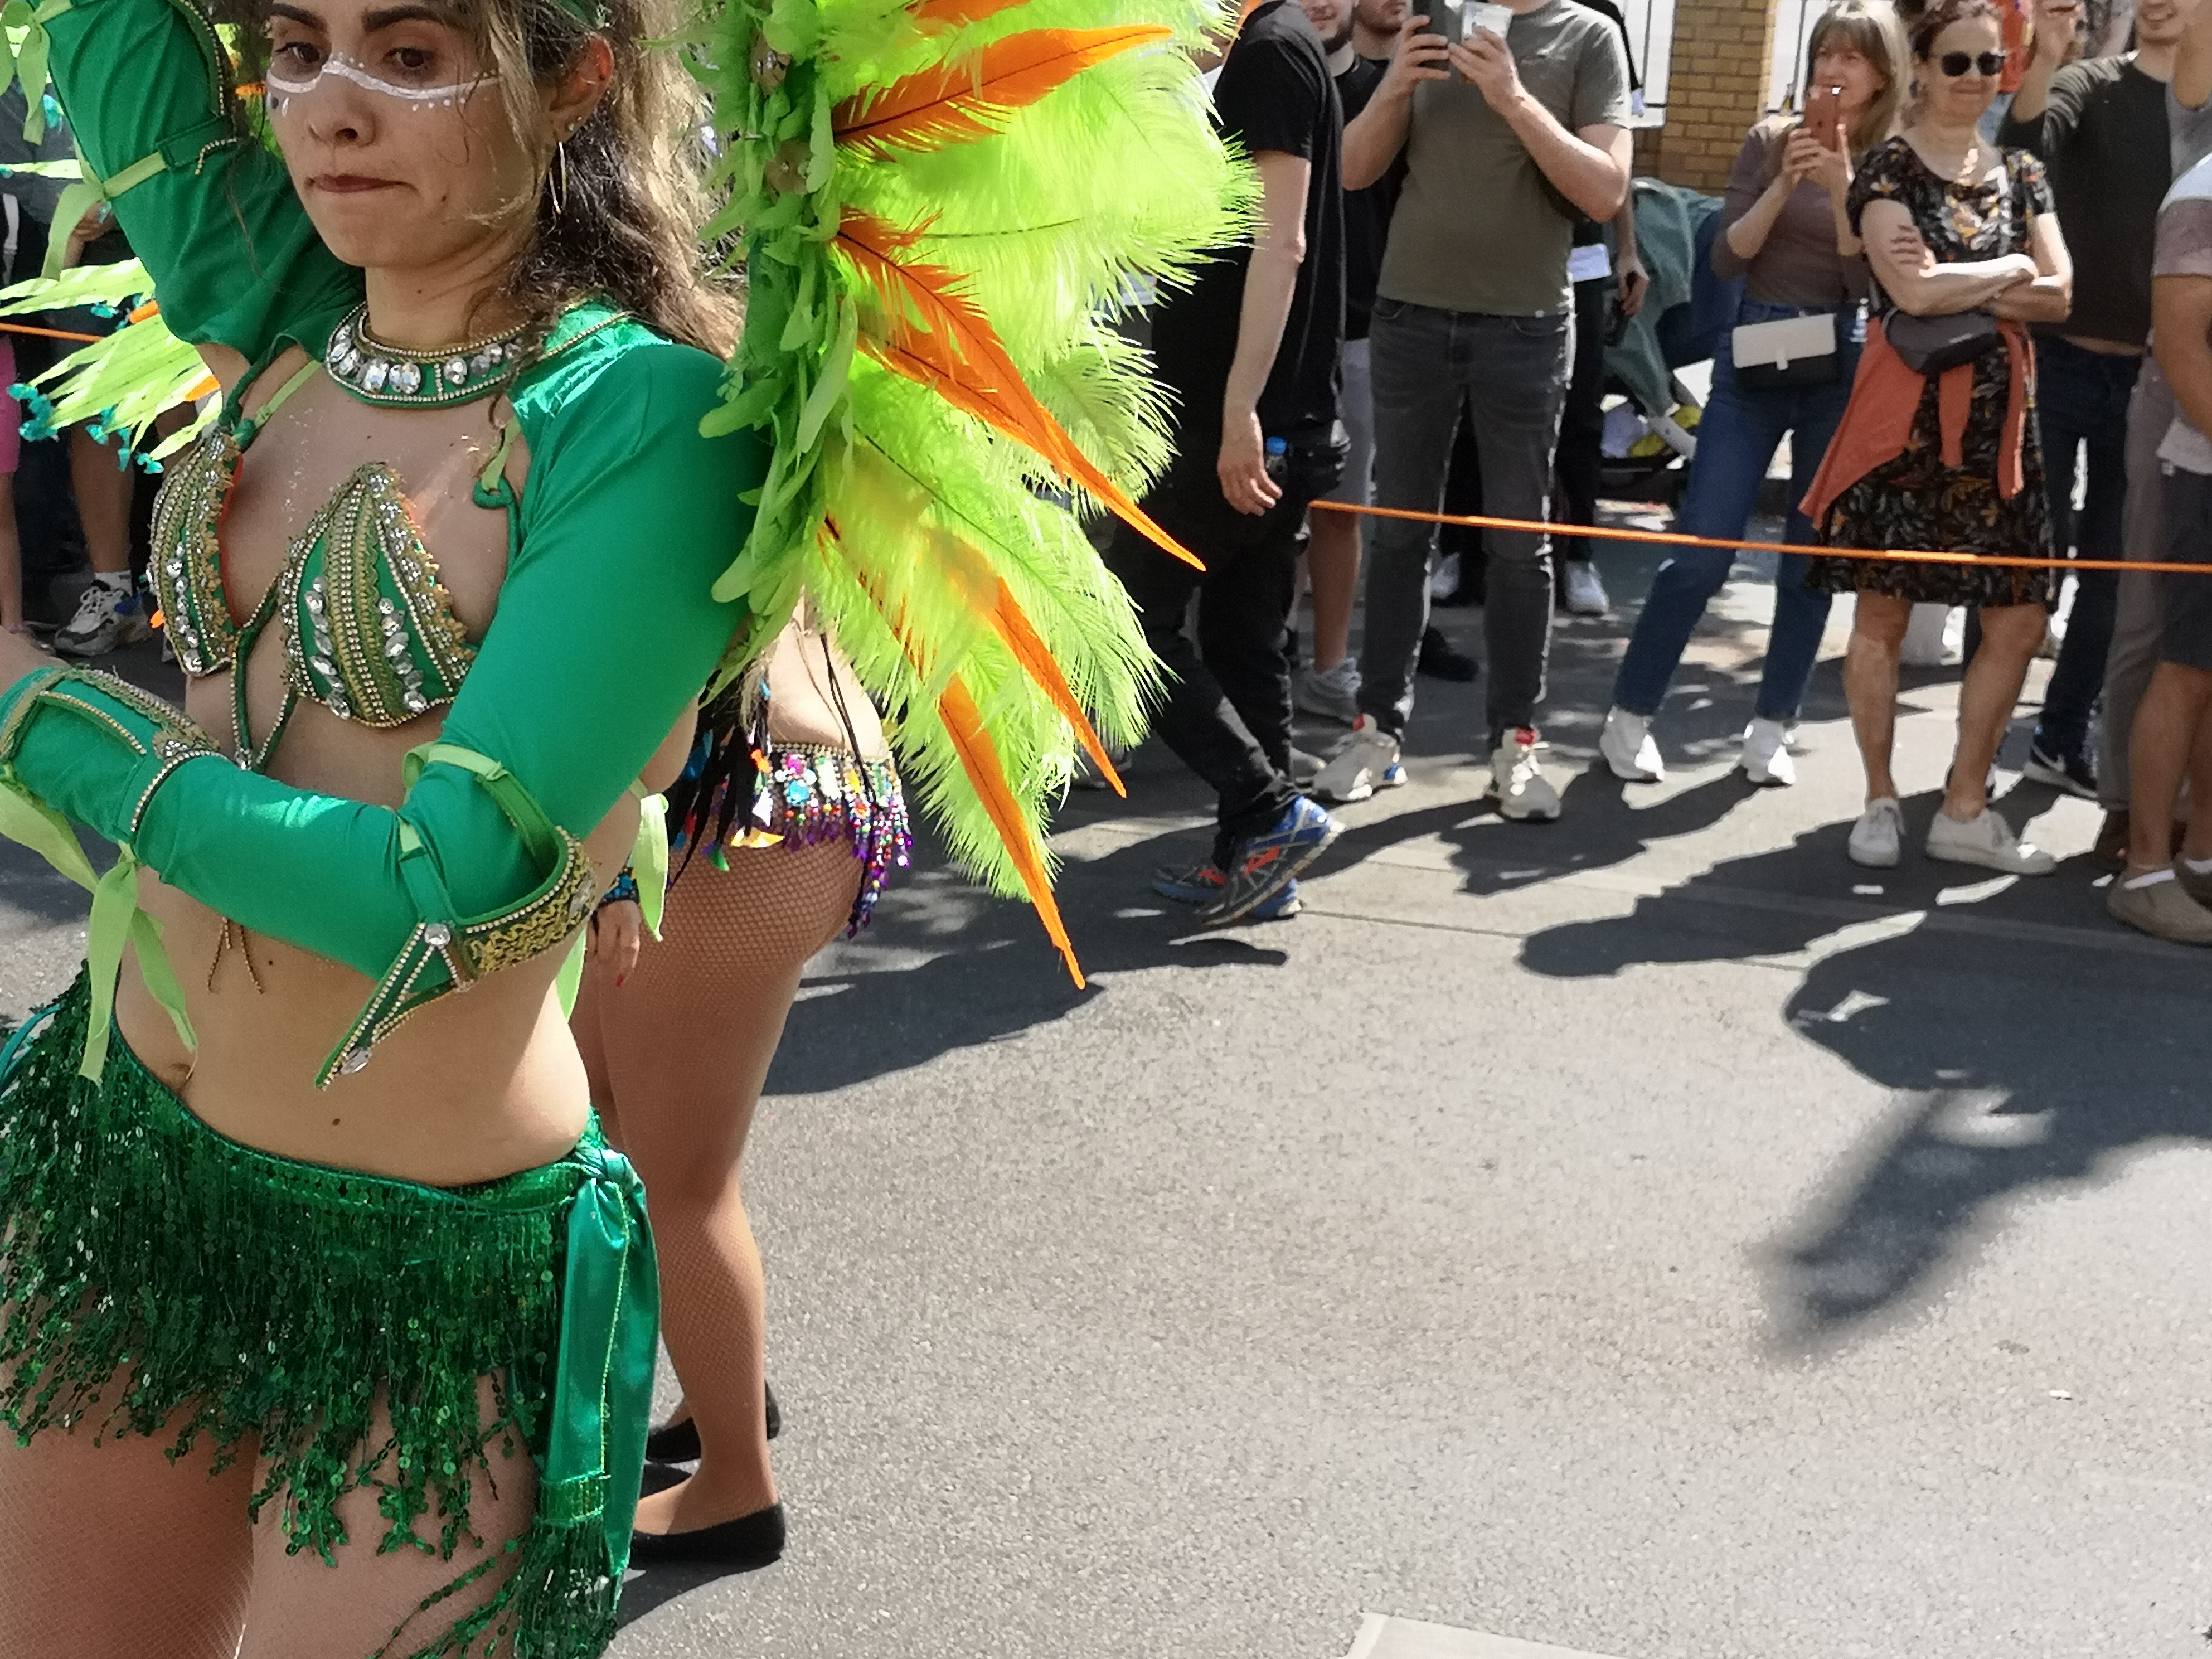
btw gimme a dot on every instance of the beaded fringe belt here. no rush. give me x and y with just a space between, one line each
159 1278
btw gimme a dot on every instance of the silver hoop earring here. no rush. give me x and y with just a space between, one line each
556 177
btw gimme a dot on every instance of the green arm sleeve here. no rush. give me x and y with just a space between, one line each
604 631
234 258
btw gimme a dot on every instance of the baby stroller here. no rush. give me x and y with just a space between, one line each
1650 437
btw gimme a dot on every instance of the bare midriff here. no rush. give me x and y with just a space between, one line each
475 1086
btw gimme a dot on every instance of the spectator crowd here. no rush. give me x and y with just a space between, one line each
1446 240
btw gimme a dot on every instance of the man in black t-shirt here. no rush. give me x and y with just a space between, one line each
2102 127
1329 685
1249 350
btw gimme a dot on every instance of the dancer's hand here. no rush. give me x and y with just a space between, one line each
617 930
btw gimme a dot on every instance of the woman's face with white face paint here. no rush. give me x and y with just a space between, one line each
398 140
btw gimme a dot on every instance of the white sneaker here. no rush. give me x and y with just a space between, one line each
1766 754
1586 595
108 614
1331 693
1627 746
1878 838
1986 840
1365 761
1522 790
1445 576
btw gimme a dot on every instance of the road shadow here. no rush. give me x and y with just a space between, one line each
2006 1077
946 966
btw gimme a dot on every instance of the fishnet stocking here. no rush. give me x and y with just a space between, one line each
684 1046
302 1609
111 1552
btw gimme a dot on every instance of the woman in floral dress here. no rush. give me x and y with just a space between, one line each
1947 460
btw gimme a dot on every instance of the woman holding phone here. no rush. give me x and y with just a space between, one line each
1938 448
1784 230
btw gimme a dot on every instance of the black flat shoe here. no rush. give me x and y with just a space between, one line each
744 1545
679 1442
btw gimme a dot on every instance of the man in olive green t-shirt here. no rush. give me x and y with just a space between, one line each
1507 141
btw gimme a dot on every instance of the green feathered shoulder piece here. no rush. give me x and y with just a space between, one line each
942 207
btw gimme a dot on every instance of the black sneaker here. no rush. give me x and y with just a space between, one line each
1441 660
2071 774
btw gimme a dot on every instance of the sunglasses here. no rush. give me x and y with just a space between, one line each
1956 64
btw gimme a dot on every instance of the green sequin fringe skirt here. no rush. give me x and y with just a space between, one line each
156 1278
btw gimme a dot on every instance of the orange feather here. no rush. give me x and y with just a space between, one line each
952 14
971 96
979 759
936 335
981 762
968 573
1013 627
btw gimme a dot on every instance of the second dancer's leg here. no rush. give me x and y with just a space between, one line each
687 1041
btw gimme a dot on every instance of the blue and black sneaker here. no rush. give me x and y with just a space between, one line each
1262 866
1202 884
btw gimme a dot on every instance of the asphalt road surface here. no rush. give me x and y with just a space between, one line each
1646 1235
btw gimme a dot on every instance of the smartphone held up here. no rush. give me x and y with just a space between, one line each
1824 116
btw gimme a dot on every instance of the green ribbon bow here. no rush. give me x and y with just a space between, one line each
116 919
610 1339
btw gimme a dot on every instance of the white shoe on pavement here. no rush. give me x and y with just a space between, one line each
109 613
1523 791
1586 595
1364 761
1766 754
1878 838
1987 840
2157 903
1331 693
1627 746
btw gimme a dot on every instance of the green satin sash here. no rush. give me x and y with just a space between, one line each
610 1337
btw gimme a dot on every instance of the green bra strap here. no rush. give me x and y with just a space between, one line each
492 490
299 377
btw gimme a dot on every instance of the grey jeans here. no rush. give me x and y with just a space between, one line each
1512 373
2138 615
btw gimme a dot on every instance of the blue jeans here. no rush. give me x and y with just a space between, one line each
1736 439
2082 399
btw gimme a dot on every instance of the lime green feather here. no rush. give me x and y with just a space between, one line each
120 384
904 520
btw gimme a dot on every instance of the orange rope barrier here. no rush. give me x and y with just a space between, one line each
51 333
1677 538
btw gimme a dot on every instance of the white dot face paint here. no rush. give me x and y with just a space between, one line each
285 84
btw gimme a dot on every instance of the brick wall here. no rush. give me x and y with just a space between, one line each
1716 89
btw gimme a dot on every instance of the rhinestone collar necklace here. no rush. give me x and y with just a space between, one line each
396 377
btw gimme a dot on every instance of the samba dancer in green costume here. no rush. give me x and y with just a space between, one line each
312 1353
439 580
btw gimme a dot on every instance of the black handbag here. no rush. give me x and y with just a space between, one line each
1929 345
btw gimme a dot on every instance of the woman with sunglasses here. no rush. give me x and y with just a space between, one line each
1784 230
1937 448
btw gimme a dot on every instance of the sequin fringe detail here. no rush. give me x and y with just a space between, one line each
804 796
154 1273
